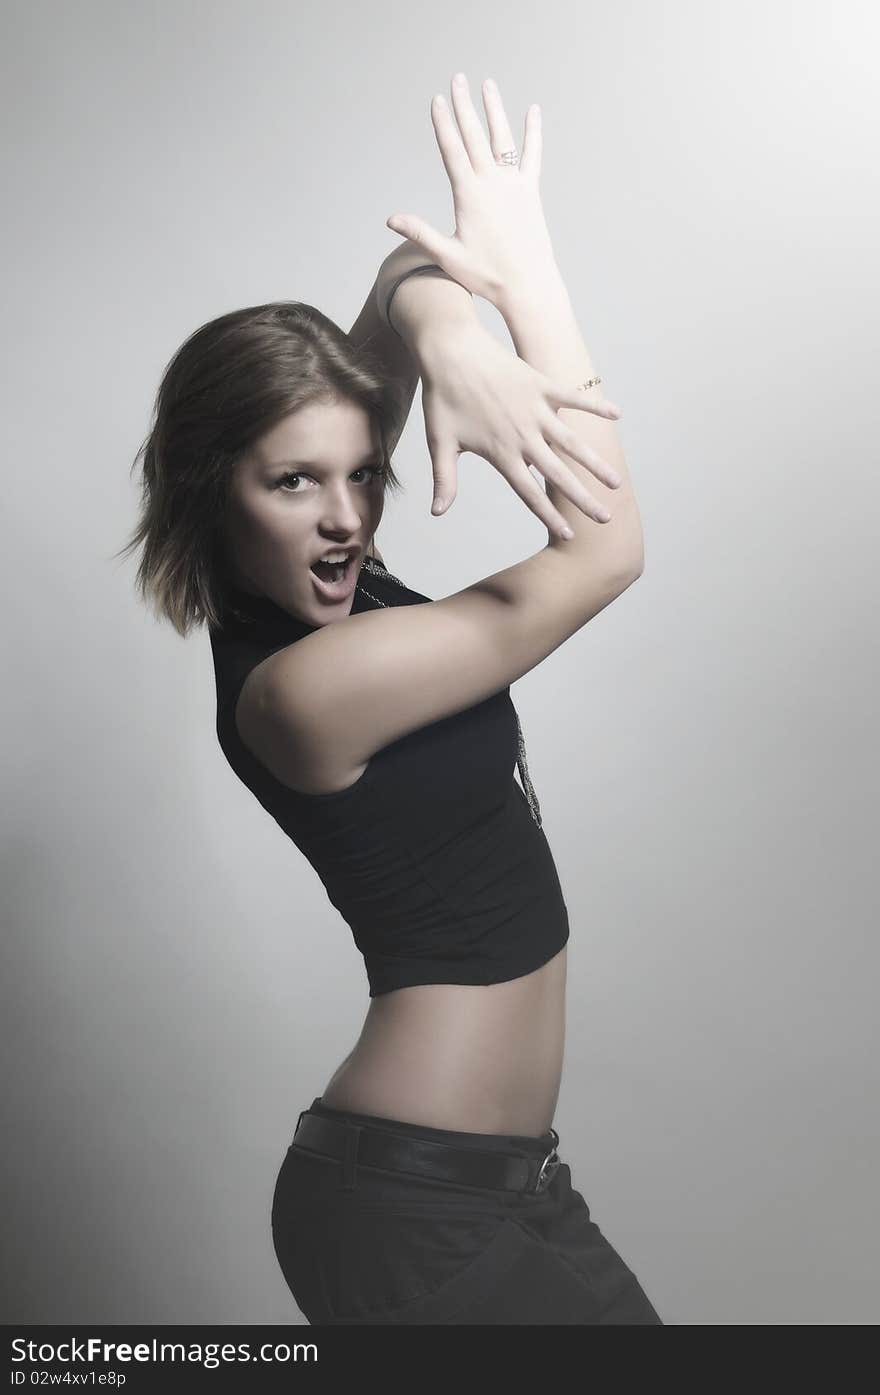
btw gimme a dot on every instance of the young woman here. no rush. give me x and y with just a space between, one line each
424 1183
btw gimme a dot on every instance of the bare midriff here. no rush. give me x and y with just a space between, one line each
482 1059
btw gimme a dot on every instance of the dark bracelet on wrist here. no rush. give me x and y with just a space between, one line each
413 271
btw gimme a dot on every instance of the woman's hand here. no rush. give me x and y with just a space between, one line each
476 396
500 235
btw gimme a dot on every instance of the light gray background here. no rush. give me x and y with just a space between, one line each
177 986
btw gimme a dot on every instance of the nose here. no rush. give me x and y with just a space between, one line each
340 515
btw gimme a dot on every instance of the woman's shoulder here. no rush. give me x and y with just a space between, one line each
304 770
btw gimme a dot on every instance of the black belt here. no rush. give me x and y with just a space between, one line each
373 1147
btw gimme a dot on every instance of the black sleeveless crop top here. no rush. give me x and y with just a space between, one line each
432 856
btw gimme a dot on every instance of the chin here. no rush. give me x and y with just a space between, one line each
328 615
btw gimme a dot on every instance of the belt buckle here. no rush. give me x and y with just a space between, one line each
548 1166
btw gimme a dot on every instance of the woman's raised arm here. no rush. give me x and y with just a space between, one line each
473 400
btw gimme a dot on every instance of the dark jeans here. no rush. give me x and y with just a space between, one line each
371 1245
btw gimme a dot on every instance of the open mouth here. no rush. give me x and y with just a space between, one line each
335 580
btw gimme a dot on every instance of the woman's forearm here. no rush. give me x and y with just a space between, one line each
545 333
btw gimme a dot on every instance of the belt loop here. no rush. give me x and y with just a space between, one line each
349 1161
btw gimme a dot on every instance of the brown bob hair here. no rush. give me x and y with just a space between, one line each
232 380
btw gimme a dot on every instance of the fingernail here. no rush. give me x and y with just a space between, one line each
567 532
618 411
438 506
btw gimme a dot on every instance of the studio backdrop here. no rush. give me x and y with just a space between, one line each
176 985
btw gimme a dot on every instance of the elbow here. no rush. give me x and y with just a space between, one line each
624 579
638 566
632 564
628 571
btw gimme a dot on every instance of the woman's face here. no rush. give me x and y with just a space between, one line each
311 486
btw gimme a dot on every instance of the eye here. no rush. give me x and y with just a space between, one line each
374 471
285 479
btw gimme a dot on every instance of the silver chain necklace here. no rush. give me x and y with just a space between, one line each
372 564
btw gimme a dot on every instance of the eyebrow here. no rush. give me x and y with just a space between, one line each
311 464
